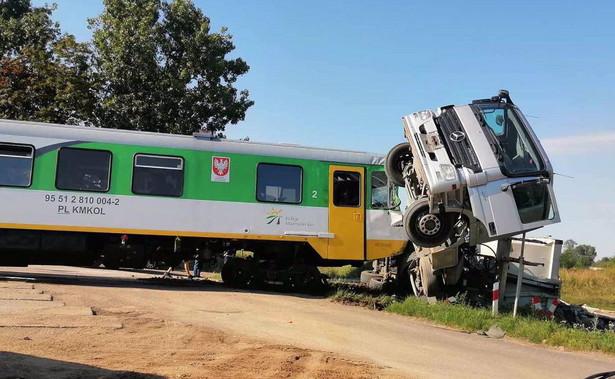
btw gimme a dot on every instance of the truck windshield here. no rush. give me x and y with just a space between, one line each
515 147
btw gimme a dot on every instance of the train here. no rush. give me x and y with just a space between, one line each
77 195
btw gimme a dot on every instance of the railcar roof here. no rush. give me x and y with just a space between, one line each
131 137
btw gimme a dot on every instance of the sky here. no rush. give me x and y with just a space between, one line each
343 73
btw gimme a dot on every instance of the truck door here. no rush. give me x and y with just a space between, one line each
347 212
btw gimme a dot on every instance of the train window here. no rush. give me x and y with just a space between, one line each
83 169
158 175
279 183
16 162
346 189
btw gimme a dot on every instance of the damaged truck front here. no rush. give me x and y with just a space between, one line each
472 174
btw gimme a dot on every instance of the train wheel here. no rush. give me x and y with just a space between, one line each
399 157
233 273
426 229
111 263
316 284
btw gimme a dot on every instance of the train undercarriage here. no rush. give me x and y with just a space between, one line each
243 263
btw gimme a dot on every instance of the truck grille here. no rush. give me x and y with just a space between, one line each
461 153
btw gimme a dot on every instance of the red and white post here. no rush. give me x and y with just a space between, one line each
552 306
496 297
537 305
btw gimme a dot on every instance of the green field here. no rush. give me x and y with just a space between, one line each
593 287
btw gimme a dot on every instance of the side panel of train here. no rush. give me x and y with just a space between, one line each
69 201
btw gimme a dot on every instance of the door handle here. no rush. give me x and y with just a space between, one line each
357 216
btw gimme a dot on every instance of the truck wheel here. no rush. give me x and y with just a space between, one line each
429 281
414 275
426 229
368 275
375 284
398 158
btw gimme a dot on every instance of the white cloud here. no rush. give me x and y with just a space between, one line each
579 143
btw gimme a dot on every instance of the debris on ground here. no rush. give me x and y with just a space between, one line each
495 332
585 317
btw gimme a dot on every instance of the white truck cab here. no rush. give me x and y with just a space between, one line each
473 173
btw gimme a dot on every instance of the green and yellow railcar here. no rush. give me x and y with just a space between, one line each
71 194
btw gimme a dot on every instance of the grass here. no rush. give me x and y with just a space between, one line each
367 300
593 287
527 328
345 272
215 276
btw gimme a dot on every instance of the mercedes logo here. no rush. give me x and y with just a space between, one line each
457 136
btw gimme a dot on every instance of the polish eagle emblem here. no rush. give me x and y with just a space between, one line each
221 166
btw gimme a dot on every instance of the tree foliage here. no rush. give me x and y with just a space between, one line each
152 65
606 262
576 255
161 69
44 75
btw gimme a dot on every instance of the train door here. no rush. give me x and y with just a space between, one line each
347 212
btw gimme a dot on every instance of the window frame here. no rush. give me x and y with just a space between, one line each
280 202
85 149
371 194
134 165
32 158
361 183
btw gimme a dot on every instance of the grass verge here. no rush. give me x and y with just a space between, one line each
345 272
367 300
469 319
593 287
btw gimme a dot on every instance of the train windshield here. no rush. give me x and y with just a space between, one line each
384 193
509 137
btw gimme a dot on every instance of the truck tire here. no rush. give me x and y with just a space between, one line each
426 229
429 281
397 158
375 284
368 275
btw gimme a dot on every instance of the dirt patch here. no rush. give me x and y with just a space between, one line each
151 346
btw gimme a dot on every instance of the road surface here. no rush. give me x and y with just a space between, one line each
213 331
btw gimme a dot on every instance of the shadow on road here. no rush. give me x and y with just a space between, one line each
177 283
13 365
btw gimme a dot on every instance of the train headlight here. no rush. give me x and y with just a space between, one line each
448 171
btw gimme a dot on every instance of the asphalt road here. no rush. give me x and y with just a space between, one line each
403 346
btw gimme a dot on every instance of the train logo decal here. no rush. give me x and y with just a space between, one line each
273 216
220 169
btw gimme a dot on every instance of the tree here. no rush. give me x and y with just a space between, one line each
607 262
44 75
160 69
575 255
